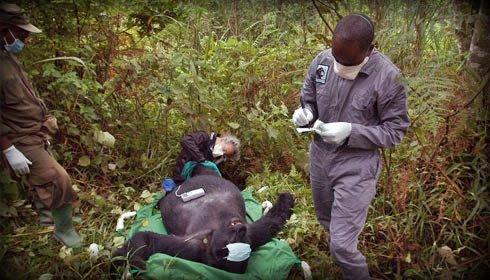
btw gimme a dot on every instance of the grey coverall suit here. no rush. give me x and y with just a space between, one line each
343 177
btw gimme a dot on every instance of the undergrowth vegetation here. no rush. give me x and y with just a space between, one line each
149 72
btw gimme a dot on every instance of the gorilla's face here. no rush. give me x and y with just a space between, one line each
232 232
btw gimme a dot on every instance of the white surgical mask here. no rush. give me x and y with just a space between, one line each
217 150
348 72
238 252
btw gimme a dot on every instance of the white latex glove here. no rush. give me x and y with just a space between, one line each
302 116
333 133
17 160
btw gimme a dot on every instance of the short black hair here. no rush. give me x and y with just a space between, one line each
356 27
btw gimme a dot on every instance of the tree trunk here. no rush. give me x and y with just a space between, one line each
479 59
379 7
464 22
480 42
420 36
419 25
236 18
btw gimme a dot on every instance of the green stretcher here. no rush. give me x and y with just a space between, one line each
270 261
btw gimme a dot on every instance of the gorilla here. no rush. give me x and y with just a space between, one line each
201 229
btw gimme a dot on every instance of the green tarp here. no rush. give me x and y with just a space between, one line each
271 261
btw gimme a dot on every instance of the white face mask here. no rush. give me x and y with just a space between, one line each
348 72
217 150
238 252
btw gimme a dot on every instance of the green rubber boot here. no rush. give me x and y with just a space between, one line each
63 227
45 216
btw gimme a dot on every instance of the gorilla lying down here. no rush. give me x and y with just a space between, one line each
210 229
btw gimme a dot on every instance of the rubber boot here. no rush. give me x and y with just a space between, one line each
63 227
45 216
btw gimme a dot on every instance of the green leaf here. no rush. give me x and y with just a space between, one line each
46 276
73 131
272 132
120 162
84 161
234 125
104 138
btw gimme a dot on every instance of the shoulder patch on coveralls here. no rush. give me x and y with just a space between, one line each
321 73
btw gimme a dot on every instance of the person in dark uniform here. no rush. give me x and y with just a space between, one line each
26 126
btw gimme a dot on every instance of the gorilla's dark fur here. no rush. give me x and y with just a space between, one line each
201 228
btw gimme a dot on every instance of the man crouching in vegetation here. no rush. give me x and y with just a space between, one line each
359 104
201 146
25 127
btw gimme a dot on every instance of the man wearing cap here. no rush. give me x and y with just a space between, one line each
26 126
353 95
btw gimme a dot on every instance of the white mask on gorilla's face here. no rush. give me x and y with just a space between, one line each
238 252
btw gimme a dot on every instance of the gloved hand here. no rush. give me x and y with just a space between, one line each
302 116
333 133
17 160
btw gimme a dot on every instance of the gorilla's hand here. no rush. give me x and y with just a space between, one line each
263 230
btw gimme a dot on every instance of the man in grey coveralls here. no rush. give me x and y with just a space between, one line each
354 94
